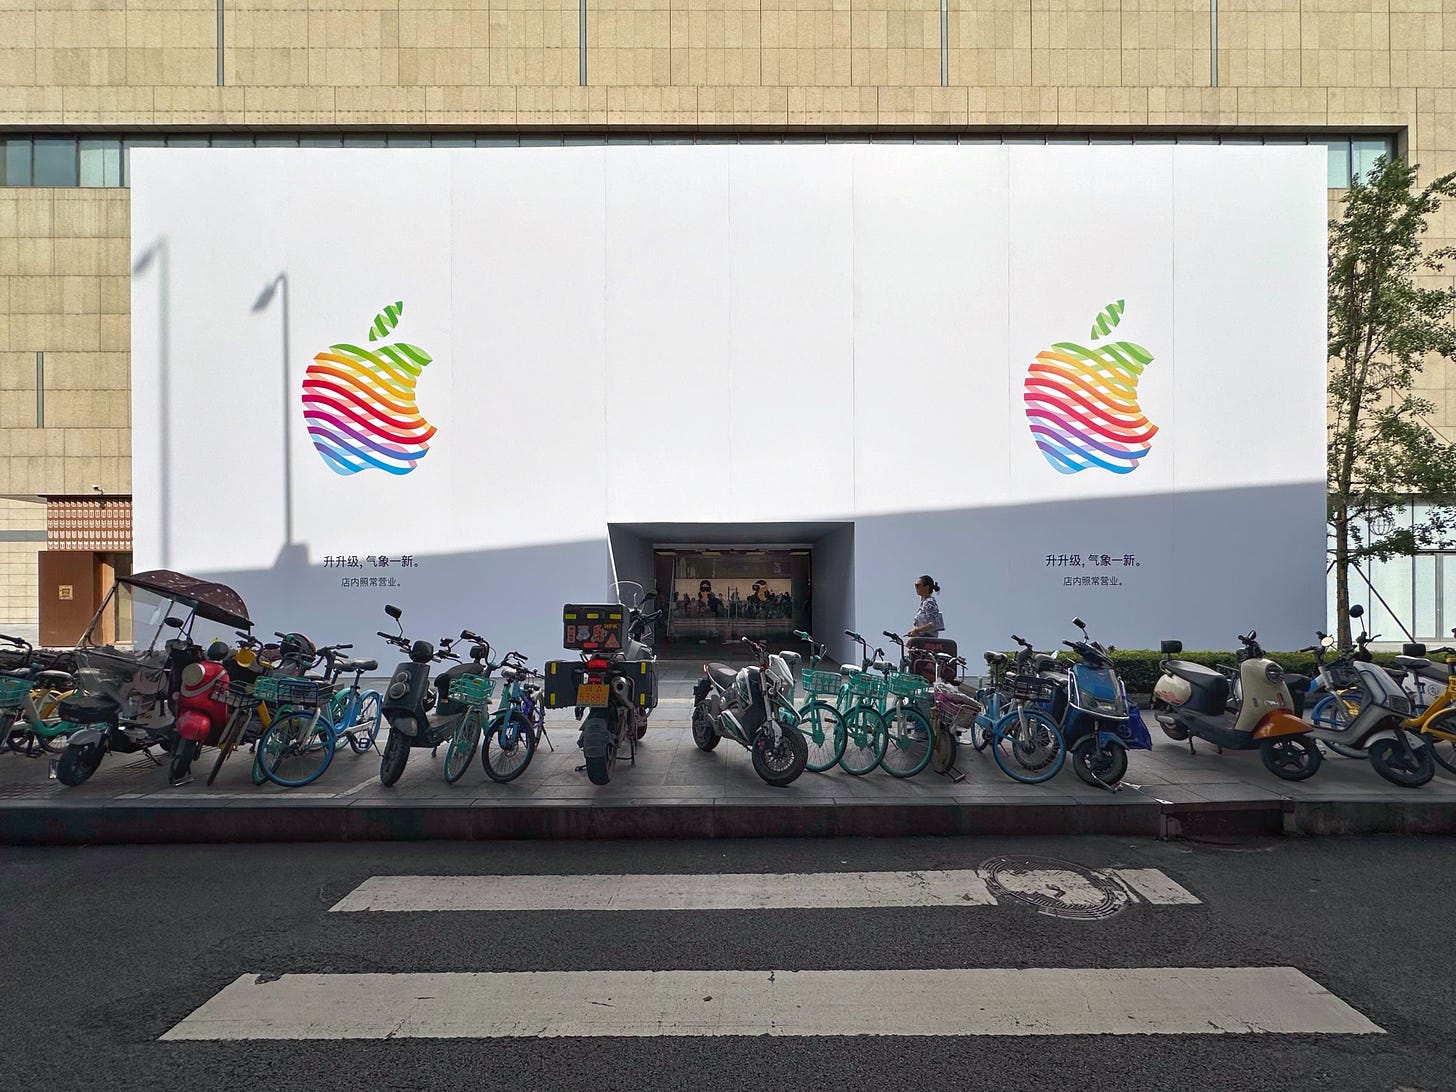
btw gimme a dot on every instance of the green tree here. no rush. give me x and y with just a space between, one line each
1388 313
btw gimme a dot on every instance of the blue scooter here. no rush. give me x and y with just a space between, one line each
1098 722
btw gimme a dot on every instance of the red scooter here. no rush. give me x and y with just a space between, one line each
202 711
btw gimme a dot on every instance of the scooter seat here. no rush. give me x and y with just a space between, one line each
721 674
348 667
1413 663
55 680
1210 687
85 709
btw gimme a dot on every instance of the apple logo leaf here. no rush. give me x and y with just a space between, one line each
386 320
1107 318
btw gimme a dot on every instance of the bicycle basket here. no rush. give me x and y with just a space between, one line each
1030 688
957 708
864 685
289 690
238 695
13 690
906 685
821 682
471 689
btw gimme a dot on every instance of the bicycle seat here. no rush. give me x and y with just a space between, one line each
851 669
994 659
347 667
721 674
509 673
55 679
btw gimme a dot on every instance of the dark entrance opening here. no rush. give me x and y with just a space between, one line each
718 583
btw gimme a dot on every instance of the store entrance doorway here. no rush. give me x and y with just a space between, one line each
715 595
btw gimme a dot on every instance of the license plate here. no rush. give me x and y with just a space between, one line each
591 694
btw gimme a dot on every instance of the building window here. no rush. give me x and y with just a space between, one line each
106 161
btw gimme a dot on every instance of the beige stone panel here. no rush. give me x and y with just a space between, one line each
805 42
738 106
1345 43
533 42
1282 106
30 105
856 107
469 106
1021 106
379 105
938 106
714 42
668 107
1200 106
1259 43
223 107
1102 106
895 42
171 42
1165 43
989 42
1386 106
117 105
288 106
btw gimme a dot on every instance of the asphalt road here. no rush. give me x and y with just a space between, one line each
106 949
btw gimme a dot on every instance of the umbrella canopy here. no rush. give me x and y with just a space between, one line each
215 602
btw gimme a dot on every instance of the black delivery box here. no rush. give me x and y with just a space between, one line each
598 627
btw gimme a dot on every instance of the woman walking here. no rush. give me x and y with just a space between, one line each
928 620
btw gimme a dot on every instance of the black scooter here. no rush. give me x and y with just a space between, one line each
420 711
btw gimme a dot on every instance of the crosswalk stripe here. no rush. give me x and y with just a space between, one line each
1155 887
719 891
1040 1001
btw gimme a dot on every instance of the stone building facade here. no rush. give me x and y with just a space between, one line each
81 81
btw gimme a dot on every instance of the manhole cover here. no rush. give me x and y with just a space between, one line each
1059 889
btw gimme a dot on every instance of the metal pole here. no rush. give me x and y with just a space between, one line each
1212 43
580 41
219 43
944 43
39 389
287 424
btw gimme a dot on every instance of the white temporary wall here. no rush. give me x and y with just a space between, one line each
735 335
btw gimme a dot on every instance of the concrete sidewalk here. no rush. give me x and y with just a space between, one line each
675 790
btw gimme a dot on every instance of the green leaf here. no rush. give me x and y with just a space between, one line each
1107 318
386 320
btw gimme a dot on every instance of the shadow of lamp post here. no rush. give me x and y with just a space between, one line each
260 304
160 253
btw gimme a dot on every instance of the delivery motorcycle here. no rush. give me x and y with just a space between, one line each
615 684
421 711
753 706
1193 701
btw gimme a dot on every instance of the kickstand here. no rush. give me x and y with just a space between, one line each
954 774
1191 751
581 767
546 738
155 760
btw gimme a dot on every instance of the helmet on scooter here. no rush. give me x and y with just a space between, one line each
218 651
296 646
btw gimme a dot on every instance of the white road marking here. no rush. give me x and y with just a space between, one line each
707 891
718 891
1153 886
1041 1001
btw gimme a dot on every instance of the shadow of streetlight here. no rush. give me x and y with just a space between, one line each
161 254
265 297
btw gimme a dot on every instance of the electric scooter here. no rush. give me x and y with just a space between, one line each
421 711
1098 722
1193 702
753 706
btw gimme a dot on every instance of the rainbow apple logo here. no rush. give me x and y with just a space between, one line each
359 404
1082 402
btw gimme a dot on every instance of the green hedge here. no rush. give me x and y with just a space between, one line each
1139 667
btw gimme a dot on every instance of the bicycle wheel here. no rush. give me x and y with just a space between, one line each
231 733
823 730
510 745
463 742
1442 750
366 723
1028 746
908 743
865 740
1333 713
296 749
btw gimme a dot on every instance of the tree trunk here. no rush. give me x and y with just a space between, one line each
1342 575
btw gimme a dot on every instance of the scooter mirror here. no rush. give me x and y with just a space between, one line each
1357 611
1171 648
1080 624
1414 649
174 622
393 611
1327 641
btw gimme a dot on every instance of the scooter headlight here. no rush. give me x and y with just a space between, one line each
1274 673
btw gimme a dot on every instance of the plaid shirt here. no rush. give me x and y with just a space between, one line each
929 615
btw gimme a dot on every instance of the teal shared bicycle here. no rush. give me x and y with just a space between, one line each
312 718
841 719
511 733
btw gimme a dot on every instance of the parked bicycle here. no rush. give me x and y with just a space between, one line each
29 703
301 742
1024 739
